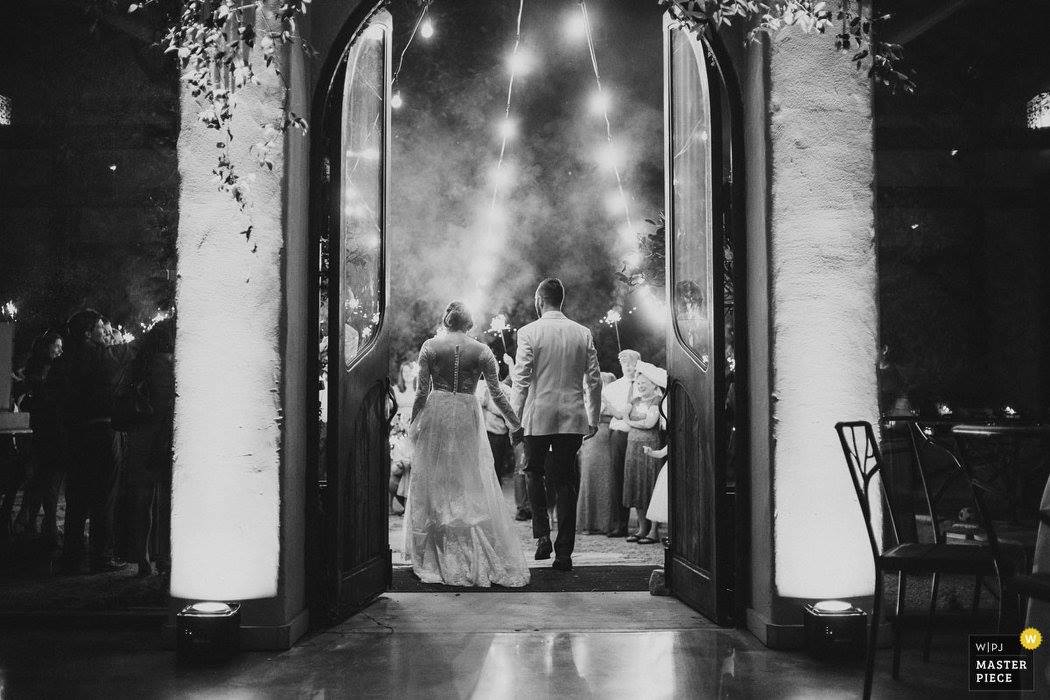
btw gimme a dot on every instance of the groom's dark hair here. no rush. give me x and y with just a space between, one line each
551 291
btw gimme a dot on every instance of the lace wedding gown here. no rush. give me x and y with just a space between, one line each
458 528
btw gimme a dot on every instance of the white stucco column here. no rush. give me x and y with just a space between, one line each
814 325
226 481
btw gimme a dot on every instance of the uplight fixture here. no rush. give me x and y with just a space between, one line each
208 631
834 629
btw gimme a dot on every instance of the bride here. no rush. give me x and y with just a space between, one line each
458 527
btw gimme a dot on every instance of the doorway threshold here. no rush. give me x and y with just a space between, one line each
582 579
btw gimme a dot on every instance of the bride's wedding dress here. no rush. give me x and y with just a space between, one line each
458 527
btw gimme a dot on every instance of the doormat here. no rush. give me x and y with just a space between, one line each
582 579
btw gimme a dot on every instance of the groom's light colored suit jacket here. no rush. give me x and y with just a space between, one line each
557 384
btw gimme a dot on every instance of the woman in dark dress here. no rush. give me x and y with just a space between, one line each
640 469
148 479
49 445
592 511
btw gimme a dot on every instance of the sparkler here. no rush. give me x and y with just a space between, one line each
612 318
8 311
161 315
499 325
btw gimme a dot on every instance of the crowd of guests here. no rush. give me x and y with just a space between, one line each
101 410
622 469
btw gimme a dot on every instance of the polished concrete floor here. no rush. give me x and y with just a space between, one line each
471 645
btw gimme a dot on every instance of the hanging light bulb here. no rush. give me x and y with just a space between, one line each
626 232
576 25
519 62
615 203
610 155
600 102
503 175
426 29
396 101
508 128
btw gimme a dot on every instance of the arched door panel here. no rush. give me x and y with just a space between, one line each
704 257
352 560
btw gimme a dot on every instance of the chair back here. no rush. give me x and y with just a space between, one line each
922 444
864 464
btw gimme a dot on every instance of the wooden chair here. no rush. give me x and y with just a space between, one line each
904 558
922 443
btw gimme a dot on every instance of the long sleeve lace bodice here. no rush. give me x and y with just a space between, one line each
455 363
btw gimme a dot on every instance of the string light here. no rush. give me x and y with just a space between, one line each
628 234
520 62
395 100
600 103
508 129
415 29
611 156
576 25
505 131
426 29
502 176
614 202
610 153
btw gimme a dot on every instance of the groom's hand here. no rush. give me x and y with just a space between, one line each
592 430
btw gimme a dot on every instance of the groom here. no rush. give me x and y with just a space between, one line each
556 363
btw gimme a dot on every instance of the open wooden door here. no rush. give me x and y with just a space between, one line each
351 560
704 264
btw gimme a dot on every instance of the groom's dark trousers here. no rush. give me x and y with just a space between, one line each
562 472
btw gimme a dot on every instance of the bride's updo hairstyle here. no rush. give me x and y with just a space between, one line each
457 318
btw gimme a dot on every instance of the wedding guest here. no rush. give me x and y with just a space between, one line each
149 457
400 445
657 511
640 470
495 426
616 397
592 512
521 492
49 444
90 370
110 335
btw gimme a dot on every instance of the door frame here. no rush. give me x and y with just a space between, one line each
356 22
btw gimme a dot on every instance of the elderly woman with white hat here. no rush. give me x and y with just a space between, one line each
640 470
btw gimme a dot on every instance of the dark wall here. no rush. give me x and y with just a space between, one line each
88 206
963 221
